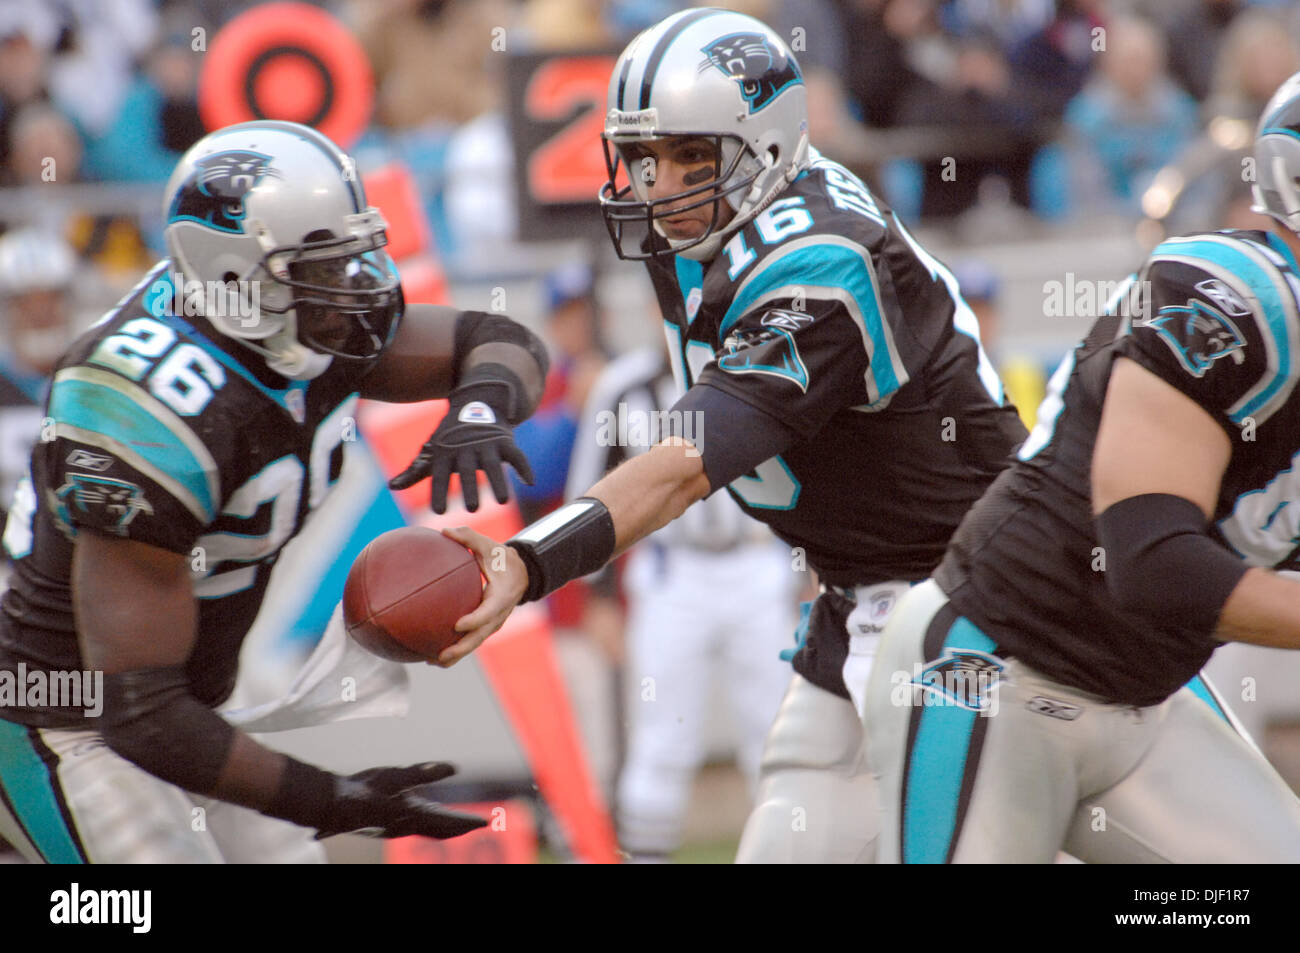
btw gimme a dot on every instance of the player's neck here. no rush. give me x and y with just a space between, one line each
1290 239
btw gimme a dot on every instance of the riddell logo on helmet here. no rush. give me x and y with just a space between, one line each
642 122
210 299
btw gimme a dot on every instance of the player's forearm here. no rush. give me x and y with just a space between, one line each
136 620
585 534
417 364
438 349
252 774
651 490
518 358
1264 609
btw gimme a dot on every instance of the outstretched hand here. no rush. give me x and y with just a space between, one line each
395 802
471 437
507 581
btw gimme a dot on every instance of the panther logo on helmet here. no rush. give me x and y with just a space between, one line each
214 195
748 58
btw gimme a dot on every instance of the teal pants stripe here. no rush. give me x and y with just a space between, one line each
31 792
943 738
1202 691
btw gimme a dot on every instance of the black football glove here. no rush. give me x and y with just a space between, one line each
472 437
392 802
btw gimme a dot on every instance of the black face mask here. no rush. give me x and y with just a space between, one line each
630 219
347 306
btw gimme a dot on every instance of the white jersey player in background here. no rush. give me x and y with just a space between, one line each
710 600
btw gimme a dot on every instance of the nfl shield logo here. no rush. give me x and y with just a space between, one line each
297 405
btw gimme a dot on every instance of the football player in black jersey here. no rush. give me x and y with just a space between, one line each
206 413
837 389
1153 515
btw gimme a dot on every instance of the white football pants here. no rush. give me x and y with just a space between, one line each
694 615
1011 767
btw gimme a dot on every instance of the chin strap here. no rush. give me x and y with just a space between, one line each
296 362
1288 195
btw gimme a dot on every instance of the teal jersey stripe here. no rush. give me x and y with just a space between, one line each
1283 249
937 764
1247 270
27 783
382 515
800 632
690 274
103 410
823 265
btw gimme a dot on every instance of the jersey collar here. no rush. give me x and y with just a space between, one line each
1283 249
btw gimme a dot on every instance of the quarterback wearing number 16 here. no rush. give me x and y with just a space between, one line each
836 374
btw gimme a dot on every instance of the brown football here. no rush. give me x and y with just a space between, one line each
405 592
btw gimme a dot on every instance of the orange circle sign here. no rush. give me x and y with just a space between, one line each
288 61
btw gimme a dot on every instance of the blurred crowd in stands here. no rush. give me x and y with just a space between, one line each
1063 108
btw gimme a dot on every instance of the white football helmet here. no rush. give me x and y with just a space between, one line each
1277 157
708 74
277 207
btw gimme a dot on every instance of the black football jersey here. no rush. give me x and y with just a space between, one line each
163 431
824 313
1214 315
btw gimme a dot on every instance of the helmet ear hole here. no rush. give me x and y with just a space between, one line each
230 278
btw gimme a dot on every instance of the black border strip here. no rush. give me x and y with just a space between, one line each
665 41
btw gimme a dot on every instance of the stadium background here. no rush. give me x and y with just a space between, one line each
1041 147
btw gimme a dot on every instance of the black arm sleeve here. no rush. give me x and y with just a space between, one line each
733 436
1162 564
493 347
151 719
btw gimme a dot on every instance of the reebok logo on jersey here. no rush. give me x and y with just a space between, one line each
476 412
1053 709
788 320
297 405
1199 335
89 461
878 612
1222 294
